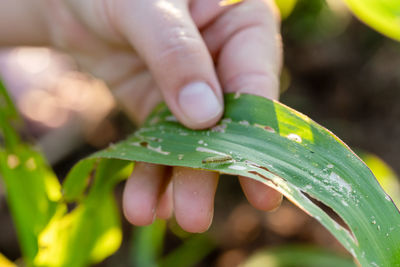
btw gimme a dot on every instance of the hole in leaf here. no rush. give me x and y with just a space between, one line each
330 212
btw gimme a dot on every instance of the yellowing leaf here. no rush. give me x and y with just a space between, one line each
382 15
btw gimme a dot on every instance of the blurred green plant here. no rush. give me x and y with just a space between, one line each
296 256
285 7
50 235
190 253
147 248
147 244
382 15
316 19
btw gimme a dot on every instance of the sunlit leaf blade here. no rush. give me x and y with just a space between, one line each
82 236
285 7
382 15
273 144
4 262
295 256
33 193
92 231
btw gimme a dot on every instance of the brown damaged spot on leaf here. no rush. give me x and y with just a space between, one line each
269 129
143 144
265 127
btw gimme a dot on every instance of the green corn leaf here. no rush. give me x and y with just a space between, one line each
382 15
271 143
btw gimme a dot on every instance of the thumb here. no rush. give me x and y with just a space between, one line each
165 36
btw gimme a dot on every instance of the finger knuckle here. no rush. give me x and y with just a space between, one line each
178 46
264 11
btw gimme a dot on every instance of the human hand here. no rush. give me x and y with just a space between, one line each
187 52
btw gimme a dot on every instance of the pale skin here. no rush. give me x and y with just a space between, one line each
185 52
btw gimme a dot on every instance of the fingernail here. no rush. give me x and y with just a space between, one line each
199 103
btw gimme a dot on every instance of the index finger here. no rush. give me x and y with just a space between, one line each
247 44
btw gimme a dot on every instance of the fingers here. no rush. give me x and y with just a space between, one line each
259 195
194 198
164 34
190 193
165 205
141 193
246 41
205 11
